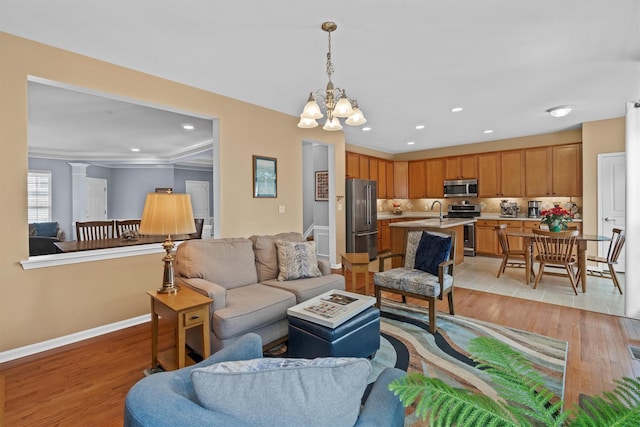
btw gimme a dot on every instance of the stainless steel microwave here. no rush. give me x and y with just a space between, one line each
461 188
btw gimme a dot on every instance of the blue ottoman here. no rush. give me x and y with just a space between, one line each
357 337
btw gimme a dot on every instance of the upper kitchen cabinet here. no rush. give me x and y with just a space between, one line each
461 167
501 174
400 180
364 167
417 179
382 179
553 171
390 179
353 165
373 169
435 169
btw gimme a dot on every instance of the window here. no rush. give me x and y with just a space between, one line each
39 196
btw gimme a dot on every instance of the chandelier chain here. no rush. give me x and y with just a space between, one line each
329 63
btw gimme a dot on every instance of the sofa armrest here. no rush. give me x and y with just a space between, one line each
324 266
383 408
209 289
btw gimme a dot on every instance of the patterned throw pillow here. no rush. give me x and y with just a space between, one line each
297 260
323 392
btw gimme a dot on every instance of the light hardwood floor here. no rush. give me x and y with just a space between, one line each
85 384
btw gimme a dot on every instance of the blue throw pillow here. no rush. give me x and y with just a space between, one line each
47 229
432 250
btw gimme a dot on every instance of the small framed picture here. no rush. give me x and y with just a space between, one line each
265 183
322 185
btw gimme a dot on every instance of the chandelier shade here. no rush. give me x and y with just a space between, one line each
334 100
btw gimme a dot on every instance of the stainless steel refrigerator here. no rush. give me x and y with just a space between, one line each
362 225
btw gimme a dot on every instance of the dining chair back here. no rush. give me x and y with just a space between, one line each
510 257
123 225
95 230
615 249
556 249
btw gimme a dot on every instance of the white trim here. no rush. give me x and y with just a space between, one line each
42 261
28 350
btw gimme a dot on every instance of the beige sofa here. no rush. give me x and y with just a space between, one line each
241 276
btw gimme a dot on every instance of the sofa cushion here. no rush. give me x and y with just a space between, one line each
412 280
297 260
432 250
249 308
305 289
285 392
266 253
227 262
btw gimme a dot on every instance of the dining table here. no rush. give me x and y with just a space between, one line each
90 245
581 243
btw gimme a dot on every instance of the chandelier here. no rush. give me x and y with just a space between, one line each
335 101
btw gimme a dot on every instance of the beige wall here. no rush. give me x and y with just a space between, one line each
599 137
46 303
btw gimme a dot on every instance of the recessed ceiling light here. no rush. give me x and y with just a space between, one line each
367 129
419 127
560 110
135 150
188 126
456 109
488 131
410 143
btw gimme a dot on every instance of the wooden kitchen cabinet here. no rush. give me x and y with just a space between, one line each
501 174
384 236
390 179
435 178
486 238
417 179
382 179
373 169
400 180
461 167
364 167
353 165
553 171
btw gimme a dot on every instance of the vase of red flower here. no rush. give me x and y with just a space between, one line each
556 218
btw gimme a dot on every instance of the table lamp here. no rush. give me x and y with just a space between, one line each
167 214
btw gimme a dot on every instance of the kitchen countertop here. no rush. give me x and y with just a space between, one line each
434 222
422 215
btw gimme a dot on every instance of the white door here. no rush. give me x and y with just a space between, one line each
611 199
199 191
96 204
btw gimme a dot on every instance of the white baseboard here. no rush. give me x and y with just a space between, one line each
28 350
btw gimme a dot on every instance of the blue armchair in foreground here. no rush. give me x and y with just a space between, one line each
172 399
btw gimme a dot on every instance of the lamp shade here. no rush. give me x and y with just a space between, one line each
307 123
356 119
167 214
332 124
343 107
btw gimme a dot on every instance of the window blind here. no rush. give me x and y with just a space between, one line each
39 196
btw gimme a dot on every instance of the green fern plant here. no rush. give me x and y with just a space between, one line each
525 401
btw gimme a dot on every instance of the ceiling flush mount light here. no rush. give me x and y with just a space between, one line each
418 127
456 109
188 126
488 131
334 100
560 111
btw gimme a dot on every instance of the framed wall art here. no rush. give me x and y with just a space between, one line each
322 185
265 172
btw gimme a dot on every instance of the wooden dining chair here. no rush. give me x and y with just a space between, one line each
510 257
123 225
615 249
95 230
556 249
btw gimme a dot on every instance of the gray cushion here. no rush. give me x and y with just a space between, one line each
304 289
266 255
412 280
249 308
297 260
285 392
227 262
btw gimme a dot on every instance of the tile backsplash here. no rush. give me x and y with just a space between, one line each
488 205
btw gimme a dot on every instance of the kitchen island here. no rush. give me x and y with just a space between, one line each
399 232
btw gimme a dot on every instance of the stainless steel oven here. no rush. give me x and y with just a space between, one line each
466 210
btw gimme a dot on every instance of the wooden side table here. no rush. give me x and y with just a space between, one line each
184 309
357 263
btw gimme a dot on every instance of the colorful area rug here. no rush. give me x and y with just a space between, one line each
407 344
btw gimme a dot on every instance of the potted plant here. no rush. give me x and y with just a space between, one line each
556 218
525 399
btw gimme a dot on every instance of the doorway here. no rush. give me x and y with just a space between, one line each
96 204
611 199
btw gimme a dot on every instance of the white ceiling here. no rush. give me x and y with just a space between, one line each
408 63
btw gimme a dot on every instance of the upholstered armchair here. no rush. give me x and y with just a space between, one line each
426 272
42 236
180 398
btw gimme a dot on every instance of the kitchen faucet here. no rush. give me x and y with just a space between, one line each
439 203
